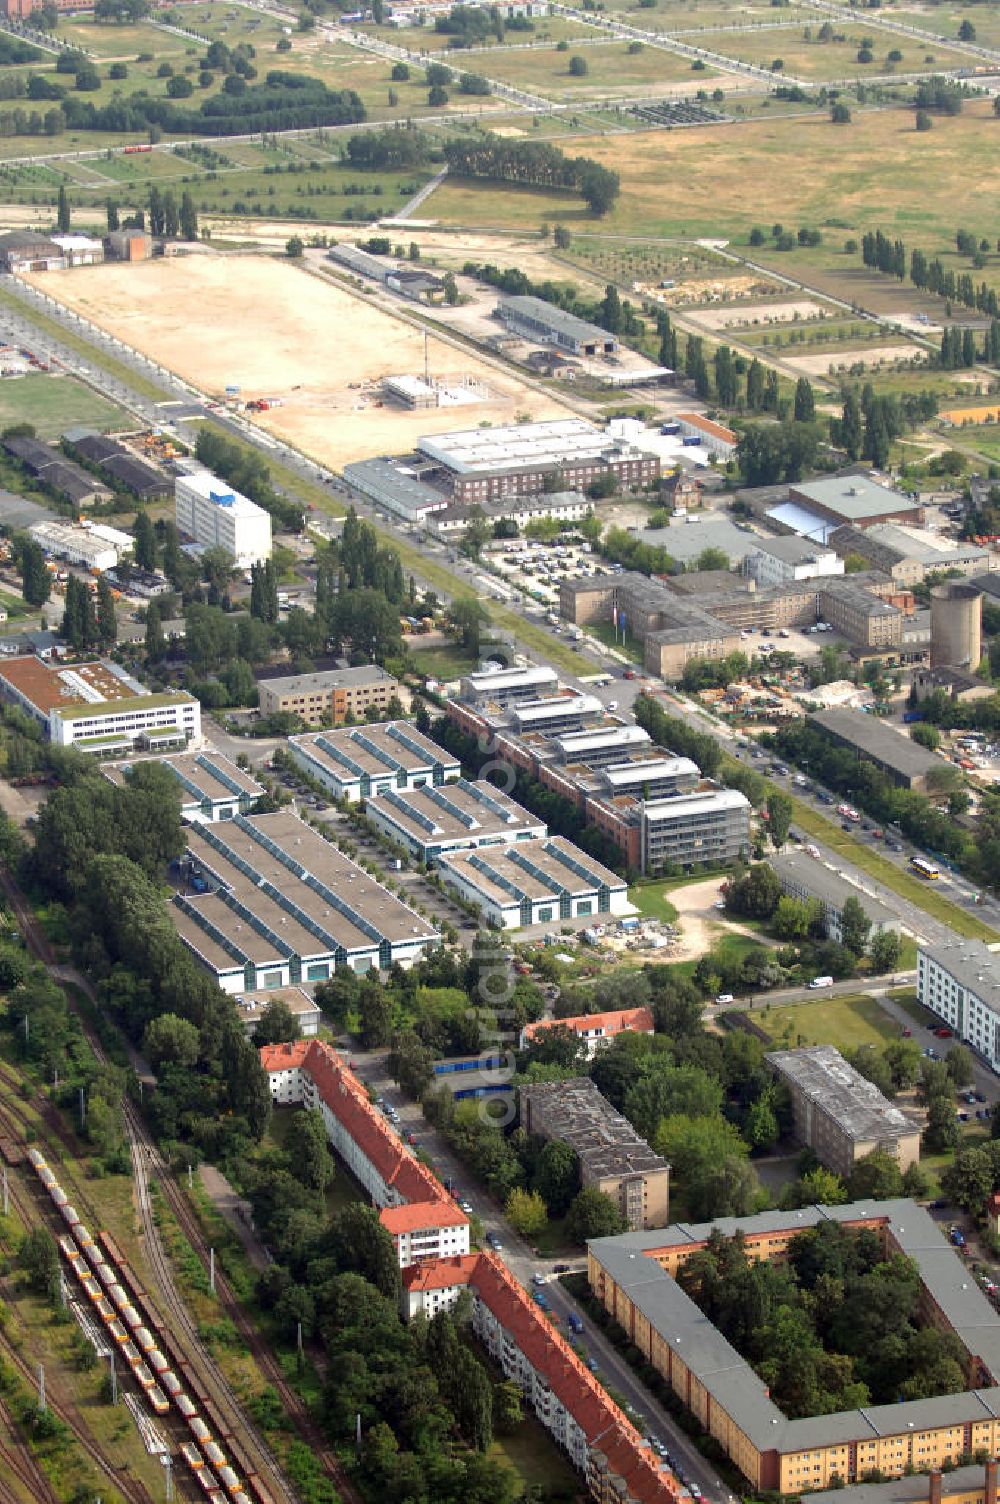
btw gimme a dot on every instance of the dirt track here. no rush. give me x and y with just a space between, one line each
699 922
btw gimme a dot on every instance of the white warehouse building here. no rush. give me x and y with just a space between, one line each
533 882
359 762
211 513
960 983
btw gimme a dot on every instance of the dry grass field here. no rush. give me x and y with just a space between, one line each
812 60
721 181
273 330
611 68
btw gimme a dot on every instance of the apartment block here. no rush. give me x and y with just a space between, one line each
212 514
613 1157
841 1115
328 698
959 982
701 827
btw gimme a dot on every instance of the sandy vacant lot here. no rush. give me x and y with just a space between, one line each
274 330
760 313
835 360
700 923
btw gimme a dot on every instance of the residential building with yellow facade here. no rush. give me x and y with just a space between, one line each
633 1277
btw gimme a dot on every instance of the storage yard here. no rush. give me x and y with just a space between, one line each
309 337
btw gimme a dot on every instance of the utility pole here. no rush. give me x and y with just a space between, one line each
211 1270
6 1194
41 1388
114 1379
169 1466
298 1335
83 1109
190 1182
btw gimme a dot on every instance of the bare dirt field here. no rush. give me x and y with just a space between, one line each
273 329
700 923
760 313
879 355
726 288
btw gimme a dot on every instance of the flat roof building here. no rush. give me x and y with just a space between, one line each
854 499
212 786
959 981
773 561
598 748
537 319
613 1157
252 1006
840 1114
281 906
484 464
329 697
64 540
506 686
650 778
804 877
906 763
99 708
556 713
711 827
634 1277
905 554
215 516
428 822
396 487
356 762
532 882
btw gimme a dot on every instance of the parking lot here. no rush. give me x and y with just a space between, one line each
535 570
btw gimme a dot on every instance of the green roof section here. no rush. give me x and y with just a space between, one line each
125 705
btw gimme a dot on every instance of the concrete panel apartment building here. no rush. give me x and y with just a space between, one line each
634 1278
613 1157
901 759
802 876
211 513
841 1115
264 901
328 698
959 982
358 762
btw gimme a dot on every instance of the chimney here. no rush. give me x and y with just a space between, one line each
990 1491
935 1481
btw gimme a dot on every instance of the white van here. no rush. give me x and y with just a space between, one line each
818 982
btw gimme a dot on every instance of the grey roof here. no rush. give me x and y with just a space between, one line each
392 487
972 965
853 497
905 1490
364 262
333 678
934 555
555 318
684 541
789 549
350 753
795 869
729 1379
605 1142
17 511
854 1103
872 736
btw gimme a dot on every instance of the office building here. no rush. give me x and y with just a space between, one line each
213 515
212 786
503 687
536 319
488 464
804 877
252 1006
613 1157
840 1114
959 982
906 555
901 759
461 816
532 882
556 713
711 827
595 1031
634 1277
775 561
597 749
329 697
356 762
270 903
414 1207
99 708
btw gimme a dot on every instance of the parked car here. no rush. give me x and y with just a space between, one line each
725 997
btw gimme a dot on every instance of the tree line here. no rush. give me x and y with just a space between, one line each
246 471
929 274
534 164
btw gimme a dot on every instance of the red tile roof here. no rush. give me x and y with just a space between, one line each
439 1274
698 420
418 1215
615 1022
346 1097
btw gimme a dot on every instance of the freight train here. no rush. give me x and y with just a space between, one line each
153 1355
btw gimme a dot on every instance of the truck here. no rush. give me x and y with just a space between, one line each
818 982
847 812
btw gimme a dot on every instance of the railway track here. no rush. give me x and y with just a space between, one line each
145 1156
16 1460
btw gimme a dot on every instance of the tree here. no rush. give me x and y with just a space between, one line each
111 209
854 926
839 113
63 211
805 402
295 247
376 1014
144 548
923 121
107 617
557 1176
850 427
357 1241
959 1065
926 735
578 66
941 1131
967 32
437 96
508 1407
875 1177
411 1064
400 73
171 1040
526 1212
308 1151
972 1177
593 1214
156 644
189 215
779 817
35 578
39 1258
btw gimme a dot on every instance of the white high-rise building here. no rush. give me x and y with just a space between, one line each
213 514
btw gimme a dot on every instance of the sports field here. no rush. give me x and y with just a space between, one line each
274 330
876 172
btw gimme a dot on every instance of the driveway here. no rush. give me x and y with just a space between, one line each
700 922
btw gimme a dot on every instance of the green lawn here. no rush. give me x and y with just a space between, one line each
538 1462
651 900
610 68
923 895
812 60
442 661
844 1022
55 403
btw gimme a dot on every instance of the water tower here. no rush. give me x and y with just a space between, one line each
956 626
